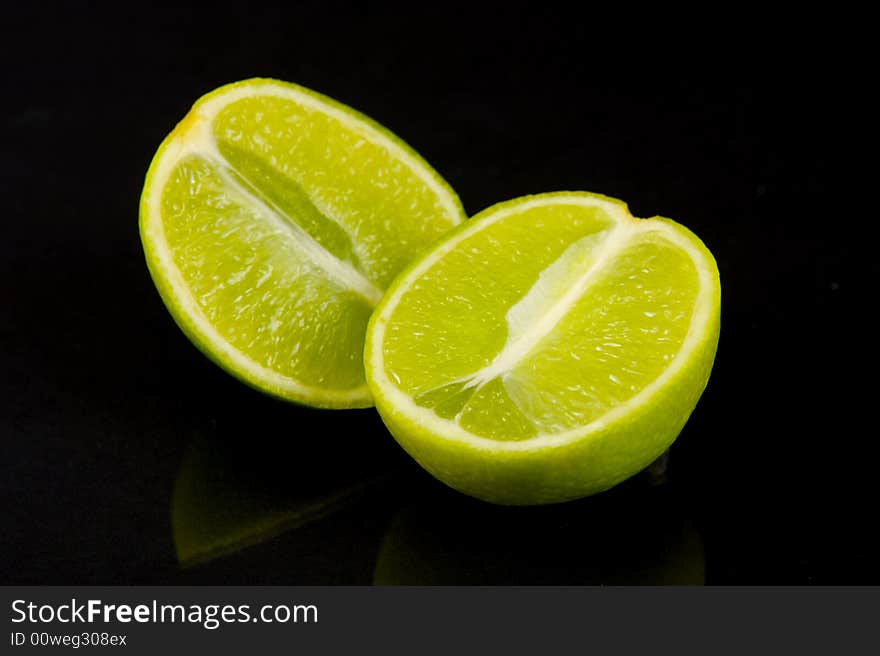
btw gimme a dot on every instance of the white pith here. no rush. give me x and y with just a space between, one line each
515 350
627 227
342 273
199 140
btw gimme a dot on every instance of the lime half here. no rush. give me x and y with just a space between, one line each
272 219
547 349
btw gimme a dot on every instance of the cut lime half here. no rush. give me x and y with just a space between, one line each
272 219
547 349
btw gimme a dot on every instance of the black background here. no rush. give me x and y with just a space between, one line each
742 138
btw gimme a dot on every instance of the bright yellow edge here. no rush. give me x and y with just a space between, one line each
191 133
707 300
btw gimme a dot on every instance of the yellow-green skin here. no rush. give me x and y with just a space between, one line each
579 468
332 399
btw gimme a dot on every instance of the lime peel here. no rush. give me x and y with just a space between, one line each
553 466
430 208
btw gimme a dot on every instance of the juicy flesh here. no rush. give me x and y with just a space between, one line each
541 322
287 228
361 204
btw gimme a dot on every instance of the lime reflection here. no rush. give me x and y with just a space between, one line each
636 536
232 494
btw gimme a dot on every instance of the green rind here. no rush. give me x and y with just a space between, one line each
190 328
355 114
604 455
328 399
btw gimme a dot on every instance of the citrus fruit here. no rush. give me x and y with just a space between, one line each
272 219
547 349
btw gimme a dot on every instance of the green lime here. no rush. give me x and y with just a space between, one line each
272 219
547 349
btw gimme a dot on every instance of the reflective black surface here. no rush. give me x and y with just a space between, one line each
129 458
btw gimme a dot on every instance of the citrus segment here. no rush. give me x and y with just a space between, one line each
272 220
547 349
